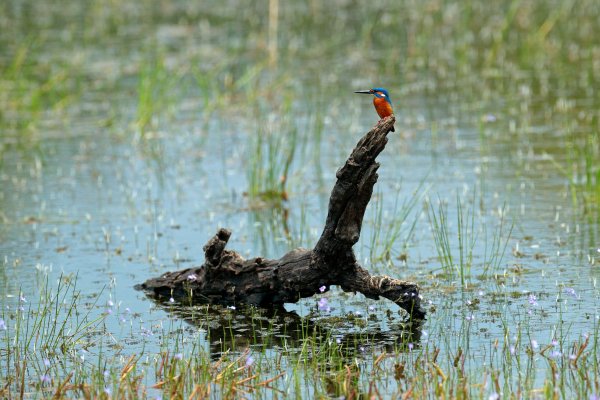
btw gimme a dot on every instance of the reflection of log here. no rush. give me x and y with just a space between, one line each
225 330
227 278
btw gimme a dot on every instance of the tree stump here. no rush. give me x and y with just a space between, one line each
227 278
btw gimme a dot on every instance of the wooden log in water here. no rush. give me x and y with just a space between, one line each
227 278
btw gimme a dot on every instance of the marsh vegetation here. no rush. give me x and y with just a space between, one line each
131 131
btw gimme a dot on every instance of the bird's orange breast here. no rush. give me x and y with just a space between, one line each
383 108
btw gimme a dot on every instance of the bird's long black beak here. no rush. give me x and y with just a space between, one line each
363 91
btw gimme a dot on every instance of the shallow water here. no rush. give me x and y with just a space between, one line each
89 188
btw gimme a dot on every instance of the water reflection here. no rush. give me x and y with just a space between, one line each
241 327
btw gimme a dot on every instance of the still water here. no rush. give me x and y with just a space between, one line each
131 132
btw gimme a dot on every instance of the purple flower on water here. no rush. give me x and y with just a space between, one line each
45 379
106 374
489 118
22 298
512 350
192 277
534 344
108 311
178 356
249 361
594 396
494 396
410 346
323 304
470 317
555 354
571 292
2 325
46 362
107 390
110 303
572 357
322 288
532 300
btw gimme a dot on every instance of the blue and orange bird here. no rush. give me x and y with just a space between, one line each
381 101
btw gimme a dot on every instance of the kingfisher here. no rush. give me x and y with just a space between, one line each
381 101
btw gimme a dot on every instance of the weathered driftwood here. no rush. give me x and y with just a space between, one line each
227 278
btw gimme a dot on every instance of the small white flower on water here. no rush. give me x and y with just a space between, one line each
178 356
192 277
534 344
22 298
512 350
480 293
470 317
110 303
410 346
494 396
2 325
338 340
371 308
231 307
46 362
322 288
171 300
357 313
572 357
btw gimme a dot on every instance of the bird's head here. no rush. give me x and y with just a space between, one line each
380 93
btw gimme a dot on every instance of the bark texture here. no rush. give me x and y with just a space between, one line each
227 278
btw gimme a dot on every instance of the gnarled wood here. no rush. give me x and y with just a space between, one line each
227 278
